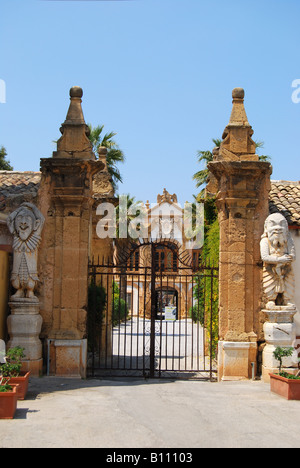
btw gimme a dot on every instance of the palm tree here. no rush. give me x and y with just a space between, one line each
114 154
126 218
125 245
201 177
262 157
4 163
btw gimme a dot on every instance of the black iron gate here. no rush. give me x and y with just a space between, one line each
153 314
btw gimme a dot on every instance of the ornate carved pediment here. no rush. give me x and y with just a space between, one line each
166 197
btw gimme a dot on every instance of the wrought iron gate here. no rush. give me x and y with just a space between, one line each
153 313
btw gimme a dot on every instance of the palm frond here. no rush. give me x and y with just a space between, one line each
205 156
264 157
201 177
217 142
114 154
259 144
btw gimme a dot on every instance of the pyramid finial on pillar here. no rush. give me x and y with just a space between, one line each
75 114
237 144
74 142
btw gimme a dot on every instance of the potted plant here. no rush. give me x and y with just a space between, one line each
12 369
284 383
8 398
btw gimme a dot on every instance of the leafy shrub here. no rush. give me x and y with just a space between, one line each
13 364
120 309
5 388
280 353
96 306
206 290
289 376
197 314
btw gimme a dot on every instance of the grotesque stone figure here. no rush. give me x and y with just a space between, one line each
278 253
26 224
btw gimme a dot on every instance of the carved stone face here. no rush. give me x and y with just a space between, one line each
24 224
276 228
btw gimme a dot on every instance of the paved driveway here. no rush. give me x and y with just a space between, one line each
151 414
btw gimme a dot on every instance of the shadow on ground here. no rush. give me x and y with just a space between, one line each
39 386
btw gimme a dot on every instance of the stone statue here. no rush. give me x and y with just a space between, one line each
26 224
278 252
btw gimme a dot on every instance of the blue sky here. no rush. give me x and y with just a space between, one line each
159 73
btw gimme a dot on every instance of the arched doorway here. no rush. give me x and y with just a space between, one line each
166 299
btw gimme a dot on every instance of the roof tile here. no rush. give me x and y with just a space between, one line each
285 198
16 187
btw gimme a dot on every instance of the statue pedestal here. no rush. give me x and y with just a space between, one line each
279 331
67 358
24 327
234 360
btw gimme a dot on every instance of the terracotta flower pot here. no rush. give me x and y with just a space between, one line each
8 403
287 388
22 381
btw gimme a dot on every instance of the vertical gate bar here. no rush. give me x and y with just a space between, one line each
106 332
166 324
131 344
186 325
179 337
119 311
118 323
198 321
144 321
109 282
204 279
211 320
98 340
138 322
125 309
160 332
161 324
102 329
177 317
152 333
192 325
94 328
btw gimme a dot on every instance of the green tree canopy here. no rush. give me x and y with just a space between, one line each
4 163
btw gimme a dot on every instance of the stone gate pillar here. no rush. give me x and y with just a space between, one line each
66 200
243 184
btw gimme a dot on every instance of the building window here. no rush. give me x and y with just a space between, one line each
165 298
165 259
134 261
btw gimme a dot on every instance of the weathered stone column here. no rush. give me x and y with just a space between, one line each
242 201
66 199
